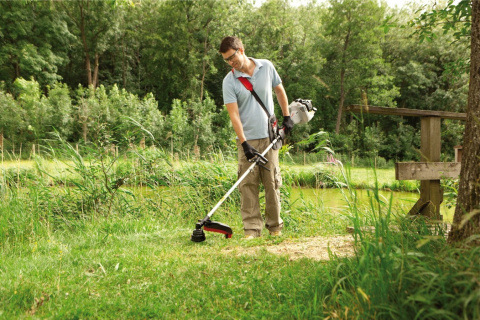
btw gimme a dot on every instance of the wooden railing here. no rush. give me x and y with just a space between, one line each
430 170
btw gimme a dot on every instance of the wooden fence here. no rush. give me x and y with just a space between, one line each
430 170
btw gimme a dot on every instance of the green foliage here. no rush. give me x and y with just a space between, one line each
11 120
453 16
32 42
336 54
357 71
191 126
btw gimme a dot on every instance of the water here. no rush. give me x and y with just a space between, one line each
334 199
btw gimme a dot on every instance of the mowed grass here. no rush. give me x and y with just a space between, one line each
120 268
147 267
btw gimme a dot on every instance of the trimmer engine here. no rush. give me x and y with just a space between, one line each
301 111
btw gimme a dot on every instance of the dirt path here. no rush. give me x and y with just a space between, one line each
316 248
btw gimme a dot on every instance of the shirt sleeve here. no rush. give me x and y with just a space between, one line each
228 87
276 80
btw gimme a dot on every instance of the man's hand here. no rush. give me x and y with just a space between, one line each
287 124
248 150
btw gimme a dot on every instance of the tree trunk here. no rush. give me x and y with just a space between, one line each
95 71
466 220
342 82
17 70
92 79
124 63
204 67
88 68
342 99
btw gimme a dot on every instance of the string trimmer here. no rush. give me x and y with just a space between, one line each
301 111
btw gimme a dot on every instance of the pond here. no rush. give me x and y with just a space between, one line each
335 199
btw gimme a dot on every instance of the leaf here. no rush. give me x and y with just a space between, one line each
466 218
363 294
328 150
420 298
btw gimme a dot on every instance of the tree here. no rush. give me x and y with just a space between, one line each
178 39
11 119
93 23
466 221
353 52
32 42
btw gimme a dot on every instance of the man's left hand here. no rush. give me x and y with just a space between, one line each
287 124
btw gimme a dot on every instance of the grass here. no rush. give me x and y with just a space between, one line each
129 256
316 175
156 273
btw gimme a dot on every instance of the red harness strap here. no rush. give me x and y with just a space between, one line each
248 85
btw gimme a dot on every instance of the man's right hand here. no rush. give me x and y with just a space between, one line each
248 150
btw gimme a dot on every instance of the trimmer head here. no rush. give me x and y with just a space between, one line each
212 226
198 235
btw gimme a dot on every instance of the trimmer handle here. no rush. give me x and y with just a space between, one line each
260 160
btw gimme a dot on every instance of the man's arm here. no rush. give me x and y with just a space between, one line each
232 109
282 99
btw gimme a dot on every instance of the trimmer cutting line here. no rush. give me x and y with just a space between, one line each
301 111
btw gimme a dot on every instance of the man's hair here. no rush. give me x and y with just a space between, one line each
230 43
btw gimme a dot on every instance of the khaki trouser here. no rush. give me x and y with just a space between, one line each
249 190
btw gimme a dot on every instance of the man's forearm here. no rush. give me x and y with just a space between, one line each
282 99
232 109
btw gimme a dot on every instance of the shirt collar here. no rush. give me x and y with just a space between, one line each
258 65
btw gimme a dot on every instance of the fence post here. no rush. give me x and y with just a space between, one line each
431 193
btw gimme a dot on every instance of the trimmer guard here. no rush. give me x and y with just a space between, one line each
214 226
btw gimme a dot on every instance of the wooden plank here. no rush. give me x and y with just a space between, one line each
418 207
406 112
431 191
430 139
430 149
427 170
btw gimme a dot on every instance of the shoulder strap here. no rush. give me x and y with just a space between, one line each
248 85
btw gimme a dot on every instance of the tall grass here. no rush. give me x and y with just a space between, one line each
128 254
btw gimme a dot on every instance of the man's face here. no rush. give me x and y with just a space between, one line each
234 58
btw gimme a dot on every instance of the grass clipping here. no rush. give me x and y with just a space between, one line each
316 248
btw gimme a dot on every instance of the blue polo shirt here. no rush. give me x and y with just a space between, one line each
253 117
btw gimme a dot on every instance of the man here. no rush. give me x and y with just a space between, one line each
250 123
